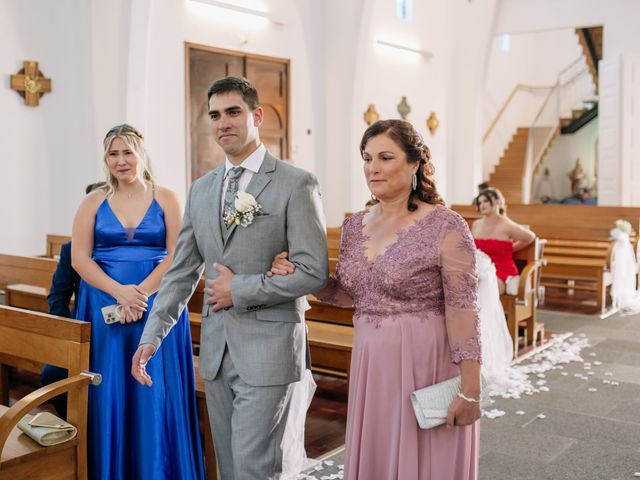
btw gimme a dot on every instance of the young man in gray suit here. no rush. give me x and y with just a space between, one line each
253 333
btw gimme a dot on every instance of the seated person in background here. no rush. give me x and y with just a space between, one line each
498 236
64 285
481 188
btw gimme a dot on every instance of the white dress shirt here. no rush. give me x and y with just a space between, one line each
251 165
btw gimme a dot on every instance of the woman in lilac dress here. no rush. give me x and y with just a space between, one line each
407 263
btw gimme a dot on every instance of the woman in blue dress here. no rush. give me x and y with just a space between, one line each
123 241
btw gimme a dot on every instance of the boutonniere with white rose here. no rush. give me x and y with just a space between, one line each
245 209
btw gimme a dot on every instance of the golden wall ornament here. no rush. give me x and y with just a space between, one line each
433 123
371 115
30 83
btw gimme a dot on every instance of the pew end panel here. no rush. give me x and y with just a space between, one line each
38 337
521 309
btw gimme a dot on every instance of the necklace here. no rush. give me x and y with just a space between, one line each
130 195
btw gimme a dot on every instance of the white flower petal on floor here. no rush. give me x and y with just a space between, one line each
515 381
494 413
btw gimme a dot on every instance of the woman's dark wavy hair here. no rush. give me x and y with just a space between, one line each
411 142
493 195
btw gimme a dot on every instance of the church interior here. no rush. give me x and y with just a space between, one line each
539 99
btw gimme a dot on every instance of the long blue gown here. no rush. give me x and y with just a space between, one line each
134 431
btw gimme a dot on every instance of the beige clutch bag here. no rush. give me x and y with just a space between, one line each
431 403
47 429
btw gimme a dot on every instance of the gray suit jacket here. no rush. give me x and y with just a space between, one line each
264 330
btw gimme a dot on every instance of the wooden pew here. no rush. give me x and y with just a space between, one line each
44 338
34 271
27 297
578 246
330 346
26 281
333 241
54 243
521 310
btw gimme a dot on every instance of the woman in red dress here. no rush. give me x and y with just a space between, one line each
497 235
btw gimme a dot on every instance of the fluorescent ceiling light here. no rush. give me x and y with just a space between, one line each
239 9
424 53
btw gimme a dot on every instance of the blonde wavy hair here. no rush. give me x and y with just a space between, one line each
134 141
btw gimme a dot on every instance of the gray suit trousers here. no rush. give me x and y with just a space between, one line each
247 423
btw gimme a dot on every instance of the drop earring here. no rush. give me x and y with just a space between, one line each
414 182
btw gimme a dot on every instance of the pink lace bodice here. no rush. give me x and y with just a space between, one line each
428 271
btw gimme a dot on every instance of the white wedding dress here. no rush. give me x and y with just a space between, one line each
294 457
497 347
624 271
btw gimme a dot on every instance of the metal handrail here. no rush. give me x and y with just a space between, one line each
516 89
568 67
531 89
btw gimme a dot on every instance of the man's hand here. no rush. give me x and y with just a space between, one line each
281 265
219 290
139 364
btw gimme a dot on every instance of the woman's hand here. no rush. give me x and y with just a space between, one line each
128 315
133 298
463 412
281 265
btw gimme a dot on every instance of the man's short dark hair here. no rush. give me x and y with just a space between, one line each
236 84
94 186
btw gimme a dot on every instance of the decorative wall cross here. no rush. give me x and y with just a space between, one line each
30 83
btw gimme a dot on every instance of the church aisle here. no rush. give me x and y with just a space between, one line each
587 424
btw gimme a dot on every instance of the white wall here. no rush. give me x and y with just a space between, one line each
534 59
47 150
619 18
384 75
472 33
561 158
619 167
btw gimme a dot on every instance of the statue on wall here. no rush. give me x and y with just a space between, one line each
545 193
578 177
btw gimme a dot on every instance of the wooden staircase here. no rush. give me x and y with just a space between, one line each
508 175
591 42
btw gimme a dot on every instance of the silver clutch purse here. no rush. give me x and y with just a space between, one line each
431 403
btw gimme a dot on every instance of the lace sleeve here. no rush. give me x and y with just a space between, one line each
460 283
334 293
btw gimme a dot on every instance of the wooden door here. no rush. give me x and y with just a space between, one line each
204 66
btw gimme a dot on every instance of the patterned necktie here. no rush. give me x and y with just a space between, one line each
232 190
